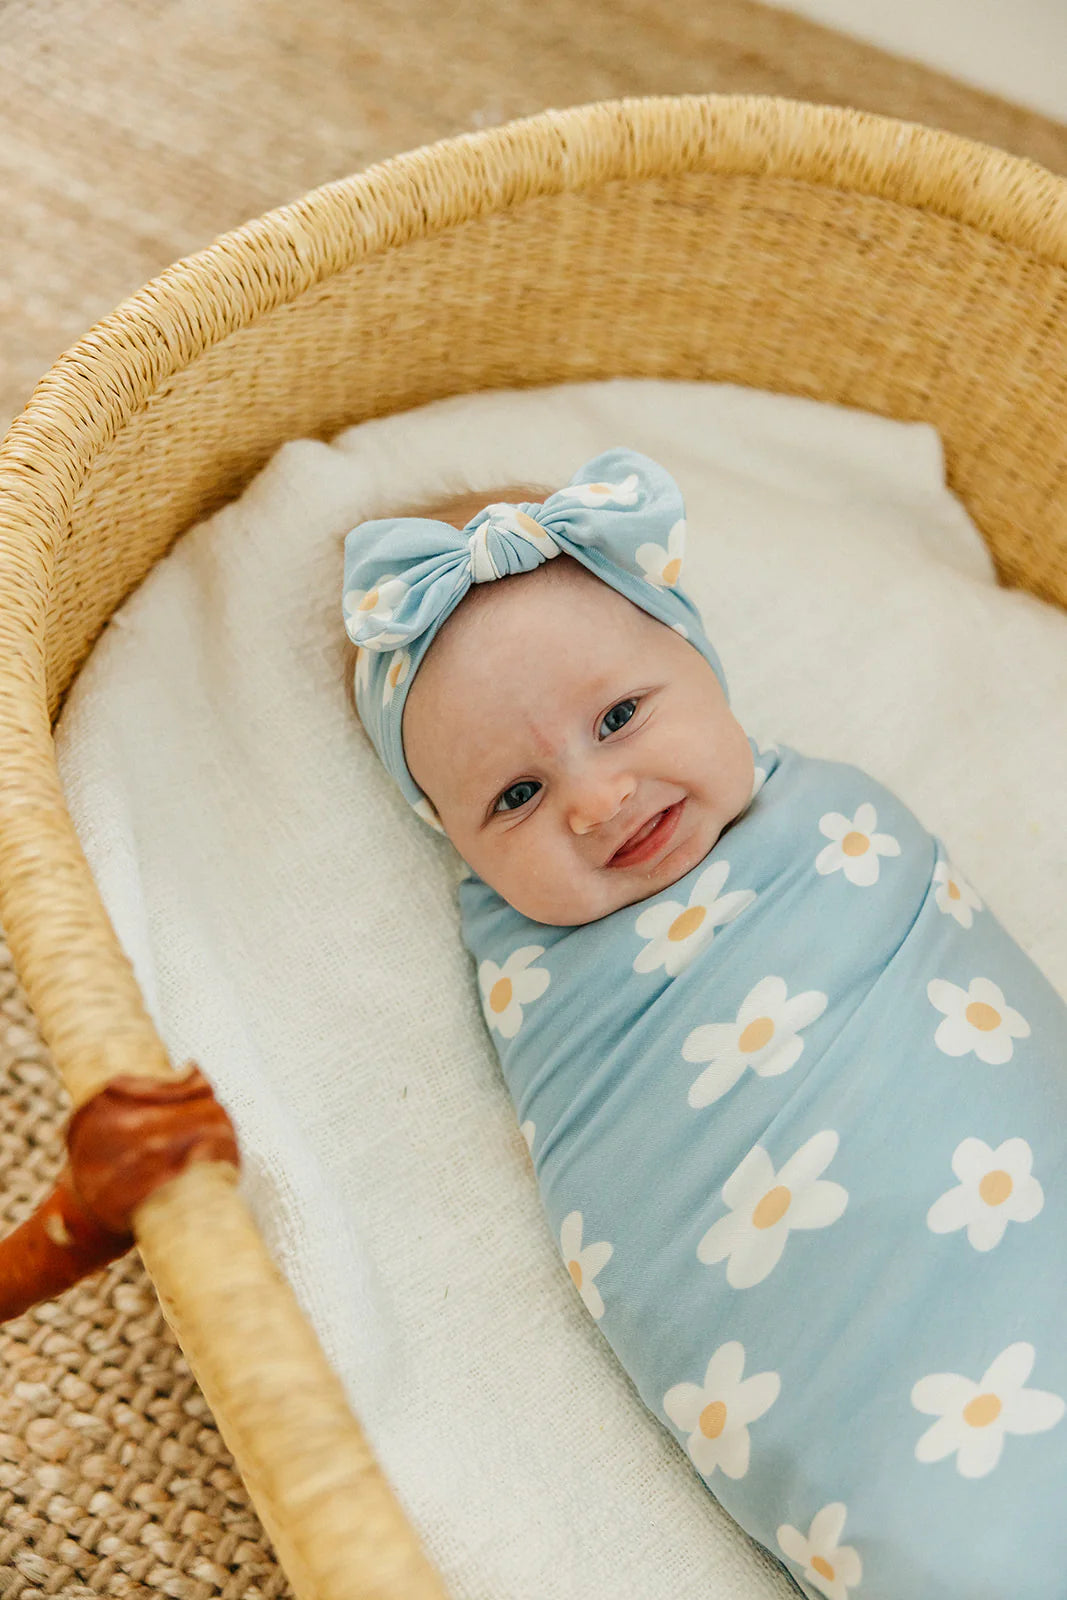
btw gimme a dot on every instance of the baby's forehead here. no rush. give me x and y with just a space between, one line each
546 644
561 628
558 636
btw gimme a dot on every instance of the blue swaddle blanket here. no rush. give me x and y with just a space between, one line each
799 1120
799 1123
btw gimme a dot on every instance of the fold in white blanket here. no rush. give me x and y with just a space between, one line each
294 930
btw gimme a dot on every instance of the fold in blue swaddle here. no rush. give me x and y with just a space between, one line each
799 1120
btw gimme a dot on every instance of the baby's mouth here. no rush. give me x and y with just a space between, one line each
649 839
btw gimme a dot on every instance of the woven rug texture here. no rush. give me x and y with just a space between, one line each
132 134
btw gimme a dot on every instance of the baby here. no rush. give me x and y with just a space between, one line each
796 1102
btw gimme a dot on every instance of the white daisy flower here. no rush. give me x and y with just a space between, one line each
366 610
583 1265
973 1418
765 1205
661 567
506 989
677 933
399 667
716 1413
976 1018
995 1188
856 847
680 627
598 494
424 808
954 896
830 1567
763 1036
363 664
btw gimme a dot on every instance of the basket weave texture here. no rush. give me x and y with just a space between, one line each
788 247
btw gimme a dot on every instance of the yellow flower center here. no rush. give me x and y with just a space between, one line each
756 1035
953 890
599 488
820 1565
575 1270
528 525
854 844
672 569
772 1208
687 923
713 1419
982 1017
369 601
500 995
982 1410
995 1187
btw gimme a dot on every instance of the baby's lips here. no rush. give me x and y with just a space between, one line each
627 837
654 819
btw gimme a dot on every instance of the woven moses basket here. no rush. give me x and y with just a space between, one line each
787 247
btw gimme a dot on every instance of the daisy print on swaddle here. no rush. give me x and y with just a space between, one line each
814 1098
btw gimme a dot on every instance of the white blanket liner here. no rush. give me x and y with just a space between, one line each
293 925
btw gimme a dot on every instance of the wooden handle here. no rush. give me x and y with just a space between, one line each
132 1136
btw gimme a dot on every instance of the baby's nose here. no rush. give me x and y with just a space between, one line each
595 803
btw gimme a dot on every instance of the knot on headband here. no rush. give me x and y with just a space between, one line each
621 516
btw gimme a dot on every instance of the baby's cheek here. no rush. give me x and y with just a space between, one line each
459 838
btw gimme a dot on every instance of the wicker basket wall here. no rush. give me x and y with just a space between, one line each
783 246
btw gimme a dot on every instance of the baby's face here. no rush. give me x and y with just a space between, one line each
550 720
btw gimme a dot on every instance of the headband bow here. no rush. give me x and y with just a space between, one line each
621 516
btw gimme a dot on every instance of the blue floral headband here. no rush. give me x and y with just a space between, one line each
621 516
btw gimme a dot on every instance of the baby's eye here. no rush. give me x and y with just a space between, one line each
517 789
620 707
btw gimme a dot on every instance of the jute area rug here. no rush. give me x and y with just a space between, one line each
131 135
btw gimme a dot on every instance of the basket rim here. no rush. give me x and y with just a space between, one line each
110 375
280 255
